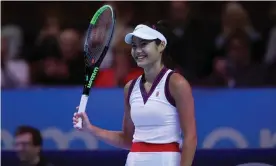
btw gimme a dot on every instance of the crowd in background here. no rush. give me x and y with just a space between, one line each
220 44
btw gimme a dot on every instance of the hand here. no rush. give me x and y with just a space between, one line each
85 120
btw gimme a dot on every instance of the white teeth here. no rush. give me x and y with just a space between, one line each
140 57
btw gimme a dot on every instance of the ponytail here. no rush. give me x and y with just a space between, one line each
164 28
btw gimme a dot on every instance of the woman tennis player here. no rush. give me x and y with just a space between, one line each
158 107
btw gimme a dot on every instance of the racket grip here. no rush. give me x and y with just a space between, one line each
82 107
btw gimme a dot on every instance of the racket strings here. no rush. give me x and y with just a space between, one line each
89 55
98 36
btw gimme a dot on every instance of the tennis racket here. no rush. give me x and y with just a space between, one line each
98 37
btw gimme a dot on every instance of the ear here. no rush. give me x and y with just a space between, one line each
161 47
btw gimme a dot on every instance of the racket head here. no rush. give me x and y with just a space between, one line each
99 35
97 41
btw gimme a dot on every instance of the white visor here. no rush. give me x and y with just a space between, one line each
144 32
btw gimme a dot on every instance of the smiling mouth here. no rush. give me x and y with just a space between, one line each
140 57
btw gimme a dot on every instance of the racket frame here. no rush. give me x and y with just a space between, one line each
91 72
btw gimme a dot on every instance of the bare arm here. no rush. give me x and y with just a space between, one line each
121 139
182 94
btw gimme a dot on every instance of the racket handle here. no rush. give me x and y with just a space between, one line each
82 107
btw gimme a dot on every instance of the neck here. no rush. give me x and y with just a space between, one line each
152 71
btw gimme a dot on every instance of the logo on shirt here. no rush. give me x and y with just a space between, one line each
157 94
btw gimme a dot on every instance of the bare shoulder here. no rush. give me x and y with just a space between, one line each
126 93
178 84
127 86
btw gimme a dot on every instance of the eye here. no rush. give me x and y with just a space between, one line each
143 44
133 46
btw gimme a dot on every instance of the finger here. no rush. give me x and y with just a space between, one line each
81 115
76 115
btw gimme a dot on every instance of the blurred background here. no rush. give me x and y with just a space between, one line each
226 50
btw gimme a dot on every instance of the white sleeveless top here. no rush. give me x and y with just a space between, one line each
154 115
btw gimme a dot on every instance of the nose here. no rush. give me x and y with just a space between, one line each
138 50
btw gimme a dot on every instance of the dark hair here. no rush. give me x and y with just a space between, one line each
36 135
164 28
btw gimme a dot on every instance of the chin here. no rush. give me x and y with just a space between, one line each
142 64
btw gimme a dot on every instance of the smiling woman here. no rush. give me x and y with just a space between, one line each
158 106
158 131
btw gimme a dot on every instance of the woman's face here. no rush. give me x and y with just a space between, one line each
146 52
